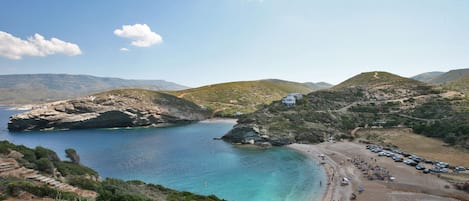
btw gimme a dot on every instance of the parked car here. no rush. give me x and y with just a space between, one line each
410 162
426 171
397 159
435 169
444 170
442 164
419 167
376 150
382 153
428 161
405 154
459 168
416 158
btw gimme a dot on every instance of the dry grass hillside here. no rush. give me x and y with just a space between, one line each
227 99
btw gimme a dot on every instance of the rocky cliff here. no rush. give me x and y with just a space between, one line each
117 108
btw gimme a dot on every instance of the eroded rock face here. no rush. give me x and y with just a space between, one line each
119 108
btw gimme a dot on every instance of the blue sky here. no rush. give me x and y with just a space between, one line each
211 41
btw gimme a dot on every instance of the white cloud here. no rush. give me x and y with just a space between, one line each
12 47
140 34
124 49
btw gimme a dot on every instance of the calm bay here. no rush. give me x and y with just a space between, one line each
185 158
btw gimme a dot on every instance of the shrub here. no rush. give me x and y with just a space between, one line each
69 168
45 165
15 186
42 152
84 183
72 155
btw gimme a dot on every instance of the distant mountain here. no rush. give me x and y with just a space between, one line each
318 85
34 88
228 99
449 76
426 77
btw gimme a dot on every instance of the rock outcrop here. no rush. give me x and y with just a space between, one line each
117 108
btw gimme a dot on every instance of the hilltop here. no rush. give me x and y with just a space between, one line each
229 99
116 108
378 80
450 76
368 99
36 88
39 174
426 77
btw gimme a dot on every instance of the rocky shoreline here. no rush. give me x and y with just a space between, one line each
115 109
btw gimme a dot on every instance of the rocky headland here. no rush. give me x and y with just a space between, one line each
116 108
373 99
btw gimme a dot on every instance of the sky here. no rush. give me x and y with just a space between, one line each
200 42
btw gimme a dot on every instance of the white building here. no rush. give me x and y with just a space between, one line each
289 100
297 96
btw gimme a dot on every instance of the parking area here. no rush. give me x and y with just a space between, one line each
425 165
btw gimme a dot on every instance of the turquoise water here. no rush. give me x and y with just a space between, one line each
185 158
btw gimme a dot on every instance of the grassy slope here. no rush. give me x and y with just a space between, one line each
149 97
461 84
22 89
353 103
245 97
450 76
376 79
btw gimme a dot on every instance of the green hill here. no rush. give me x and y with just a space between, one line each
36 88
377 79
368 99
227 99
449 76
461 84
426 77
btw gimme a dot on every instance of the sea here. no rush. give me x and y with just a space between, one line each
185 158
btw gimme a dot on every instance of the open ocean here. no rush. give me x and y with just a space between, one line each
185 158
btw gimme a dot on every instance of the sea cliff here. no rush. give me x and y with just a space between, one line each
117 108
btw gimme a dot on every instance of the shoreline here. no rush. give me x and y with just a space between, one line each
218 119
344 159
328 166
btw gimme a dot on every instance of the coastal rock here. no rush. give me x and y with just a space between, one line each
117 108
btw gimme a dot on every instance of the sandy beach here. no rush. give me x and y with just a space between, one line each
348 159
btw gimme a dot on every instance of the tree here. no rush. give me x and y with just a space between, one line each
45 165
73 155
42 152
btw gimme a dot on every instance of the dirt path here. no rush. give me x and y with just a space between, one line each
181 95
